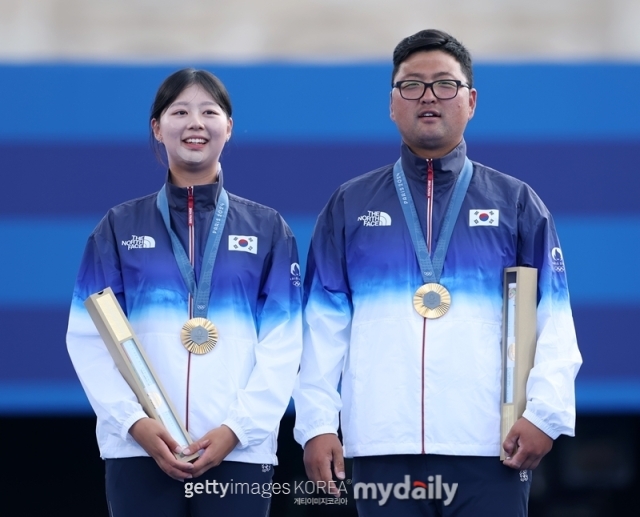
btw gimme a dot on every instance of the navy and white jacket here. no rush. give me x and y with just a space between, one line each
246 381
410 385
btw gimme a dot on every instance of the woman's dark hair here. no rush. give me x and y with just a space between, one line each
432 39
175 84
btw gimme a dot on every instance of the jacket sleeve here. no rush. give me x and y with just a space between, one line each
551 384
110 396
259 406
327 328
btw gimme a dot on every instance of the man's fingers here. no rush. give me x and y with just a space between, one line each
527 460
322 475
323 472
514 452
322 454
338 463
517 460
509 444
526 445
318 467
338 469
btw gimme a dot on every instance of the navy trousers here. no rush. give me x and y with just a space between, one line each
430 485
137 487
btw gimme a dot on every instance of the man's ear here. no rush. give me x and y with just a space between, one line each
391 115
473 99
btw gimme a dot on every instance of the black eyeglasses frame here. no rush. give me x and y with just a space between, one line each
459 84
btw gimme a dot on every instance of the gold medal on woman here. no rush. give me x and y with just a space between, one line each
432 300
199 335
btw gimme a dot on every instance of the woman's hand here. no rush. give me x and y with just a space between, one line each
154 438
217 444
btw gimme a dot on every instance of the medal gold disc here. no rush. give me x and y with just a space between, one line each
432 301
199 335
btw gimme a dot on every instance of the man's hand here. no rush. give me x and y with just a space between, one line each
525 445
319 453
217 445
158 443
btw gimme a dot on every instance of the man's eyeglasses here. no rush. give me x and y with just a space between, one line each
444 89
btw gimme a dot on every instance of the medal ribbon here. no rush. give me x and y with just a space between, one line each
431 270
201 292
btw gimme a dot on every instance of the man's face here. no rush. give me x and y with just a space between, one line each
429 126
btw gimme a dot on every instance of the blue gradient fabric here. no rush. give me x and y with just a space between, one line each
245 382
410 385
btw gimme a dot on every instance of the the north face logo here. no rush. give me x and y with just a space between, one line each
375 219
142 241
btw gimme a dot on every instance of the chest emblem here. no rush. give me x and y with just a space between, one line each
375 218
248 243
484 217
139 241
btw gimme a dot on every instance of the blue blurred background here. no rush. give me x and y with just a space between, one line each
74 142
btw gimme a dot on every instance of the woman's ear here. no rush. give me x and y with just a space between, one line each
155 126
229 128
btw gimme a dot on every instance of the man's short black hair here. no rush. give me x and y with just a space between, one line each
432 39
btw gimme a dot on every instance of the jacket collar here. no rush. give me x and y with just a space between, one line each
205 196
446 169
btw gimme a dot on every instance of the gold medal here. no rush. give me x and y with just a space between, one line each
432 300
199 335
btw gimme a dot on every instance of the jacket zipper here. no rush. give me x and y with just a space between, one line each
190 225
429 227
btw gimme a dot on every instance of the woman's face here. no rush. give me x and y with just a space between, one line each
193 129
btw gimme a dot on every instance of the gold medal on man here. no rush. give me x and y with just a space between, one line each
432 300
199 335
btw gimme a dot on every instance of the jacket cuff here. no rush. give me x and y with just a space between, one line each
540 424
126 425
243 439
303 437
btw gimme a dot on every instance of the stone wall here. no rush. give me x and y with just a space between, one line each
317 30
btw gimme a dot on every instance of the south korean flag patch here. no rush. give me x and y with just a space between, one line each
248 243
484 217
